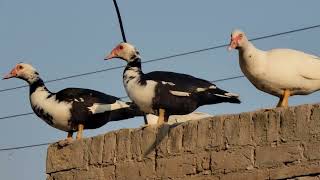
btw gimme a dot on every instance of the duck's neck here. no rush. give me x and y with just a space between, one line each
133 71
248 46
135 63
35 85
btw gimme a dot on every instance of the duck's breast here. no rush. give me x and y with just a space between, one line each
55 113
141 94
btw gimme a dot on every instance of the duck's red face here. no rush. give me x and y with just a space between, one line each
115 52
14 72
235 41
124 51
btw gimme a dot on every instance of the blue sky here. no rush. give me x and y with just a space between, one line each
62 38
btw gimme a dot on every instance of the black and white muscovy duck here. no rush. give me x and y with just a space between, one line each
72 109
166 93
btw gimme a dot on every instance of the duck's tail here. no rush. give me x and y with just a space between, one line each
214 96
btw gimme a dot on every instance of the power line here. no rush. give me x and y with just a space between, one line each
168 57
123 97
24 147
120 21
16 115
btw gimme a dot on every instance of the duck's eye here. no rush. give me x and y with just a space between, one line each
120 47
20 67
240 35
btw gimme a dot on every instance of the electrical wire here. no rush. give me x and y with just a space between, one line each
120 21
23 147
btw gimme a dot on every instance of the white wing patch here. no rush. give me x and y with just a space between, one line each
227 95
100 108
169 83
232 94
81 100
212 87
201 89
180 93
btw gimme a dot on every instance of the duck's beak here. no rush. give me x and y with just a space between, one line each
12 74
233 44
111 55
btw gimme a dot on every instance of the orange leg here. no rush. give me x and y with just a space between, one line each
284 100
69 137
80 131
161 118
66 141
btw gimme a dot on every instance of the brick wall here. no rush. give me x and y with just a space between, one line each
282 143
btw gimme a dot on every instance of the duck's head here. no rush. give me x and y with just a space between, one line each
124 51
238 39
23 71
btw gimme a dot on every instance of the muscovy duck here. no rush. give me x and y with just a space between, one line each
279 72
72 109
166 93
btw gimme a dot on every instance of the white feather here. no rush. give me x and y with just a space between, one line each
142 95
212 87
100 108
169 83
201 89
179 93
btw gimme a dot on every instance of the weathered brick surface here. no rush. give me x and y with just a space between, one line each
177 166
312 151
232 160
276 156
109 148
303 169
210 133
74 156
250 175
135 170
281 143
96 150
238 128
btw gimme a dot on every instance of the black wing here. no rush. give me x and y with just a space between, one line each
87 95
206 92
181 82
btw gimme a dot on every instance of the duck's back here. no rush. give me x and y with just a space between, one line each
95 108
287 69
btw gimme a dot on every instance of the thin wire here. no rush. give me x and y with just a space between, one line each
120 21
16 115
23 147
168 57
227 79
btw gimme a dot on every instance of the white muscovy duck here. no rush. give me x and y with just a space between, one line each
280 72
166 93
72 109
